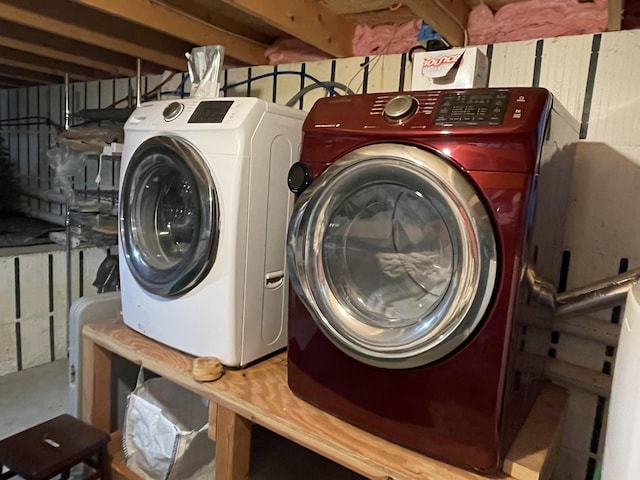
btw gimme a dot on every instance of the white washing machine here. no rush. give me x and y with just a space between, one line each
204 208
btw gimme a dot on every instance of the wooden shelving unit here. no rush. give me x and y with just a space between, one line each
259 394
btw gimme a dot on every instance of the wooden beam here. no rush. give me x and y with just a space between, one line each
164 18
19 37
13 83
309 21
341 7
533 454
96 385
29 76
586 327
227 18
28 61
38 14
615 15
447 17
382 17
566 373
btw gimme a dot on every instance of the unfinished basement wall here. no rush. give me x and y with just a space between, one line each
594 76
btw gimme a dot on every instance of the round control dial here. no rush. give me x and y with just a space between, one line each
172 111
399 108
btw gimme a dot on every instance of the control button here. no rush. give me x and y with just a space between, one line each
172 111
400 107
299 177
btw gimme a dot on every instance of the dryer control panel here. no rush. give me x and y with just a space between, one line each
472 108
482 110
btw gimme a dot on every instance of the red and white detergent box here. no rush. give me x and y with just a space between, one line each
446 69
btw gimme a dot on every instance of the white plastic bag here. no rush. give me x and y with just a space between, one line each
165 432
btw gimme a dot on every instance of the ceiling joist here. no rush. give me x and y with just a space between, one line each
309 21
30 76
164 18
25 13
19 37
447 17
36 63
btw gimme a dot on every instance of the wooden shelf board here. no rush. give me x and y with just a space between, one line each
261 394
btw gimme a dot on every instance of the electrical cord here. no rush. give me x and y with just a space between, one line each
275 74
371 63
293 100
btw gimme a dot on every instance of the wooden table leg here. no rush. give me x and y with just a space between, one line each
233 445
96 385
213 420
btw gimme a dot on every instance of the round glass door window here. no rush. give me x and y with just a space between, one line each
168 217
394 254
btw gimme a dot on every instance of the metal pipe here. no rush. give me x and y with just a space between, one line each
606 293
138 82
48 196
54 218
67 110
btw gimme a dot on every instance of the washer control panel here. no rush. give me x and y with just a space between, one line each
472 108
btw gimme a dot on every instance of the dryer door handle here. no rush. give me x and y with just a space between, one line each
273 280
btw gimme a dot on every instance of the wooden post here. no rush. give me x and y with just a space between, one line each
233 445
96 385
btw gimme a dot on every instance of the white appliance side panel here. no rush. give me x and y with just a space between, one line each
622 446
275 279
275 147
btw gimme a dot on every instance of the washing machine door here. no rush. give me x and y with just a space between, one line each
169 219
393 252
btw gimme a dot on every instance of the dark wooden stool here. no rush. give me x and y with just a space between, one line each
52 448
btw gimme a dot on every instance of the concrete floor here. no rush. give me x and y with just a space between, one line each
37 394
31 396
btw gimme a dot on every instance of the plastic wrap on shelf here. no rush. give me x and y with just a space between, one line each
92 208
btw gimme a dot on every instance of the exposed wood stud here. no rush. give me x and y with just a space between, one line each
312 22
448 18
169 20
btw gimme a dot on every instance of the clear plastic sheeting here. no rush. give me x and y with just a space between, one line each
66 164
205 69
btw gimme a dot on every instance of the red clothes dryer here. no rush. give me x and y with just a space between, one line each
417 220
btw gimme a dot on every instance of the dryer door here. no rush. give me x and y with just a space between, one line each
169 220
393 252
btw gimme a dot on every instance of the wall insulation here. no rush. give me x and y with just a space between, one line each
594 76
